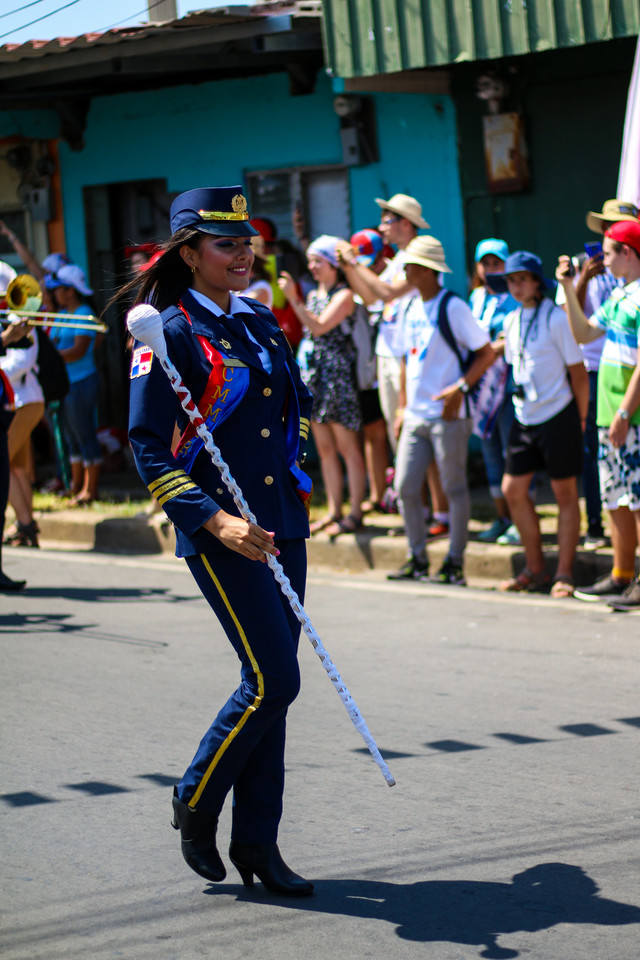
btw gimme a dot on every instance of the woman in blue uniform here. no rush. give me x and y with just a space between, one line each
238 367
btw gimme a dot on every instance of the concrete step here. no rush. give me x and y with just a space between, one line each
380 546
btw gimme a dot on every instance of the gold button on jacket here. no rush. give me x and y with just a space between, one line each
268 480
267 391
265 432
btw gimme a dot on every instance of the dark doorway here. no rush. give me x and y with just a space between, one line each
117 216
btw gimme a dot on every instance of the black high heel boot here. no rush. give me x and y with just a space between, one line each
198 834
265 861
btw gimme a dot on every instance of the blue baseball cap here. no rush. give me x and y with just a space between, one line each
492 245
218 210
520 260
54 261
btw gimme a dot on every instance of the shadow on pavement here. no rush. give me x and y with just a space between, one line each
107 594
469 911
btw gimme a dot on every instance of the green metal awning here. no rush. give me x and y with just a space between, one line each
368 37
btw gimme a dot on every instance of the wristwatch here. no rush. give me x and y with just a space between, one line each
463 386
623 414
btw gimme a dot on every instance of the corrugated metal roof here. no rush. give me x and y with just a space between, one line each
197 19
368 37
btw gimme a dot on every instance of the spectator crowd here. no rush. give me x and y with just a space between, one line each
542 370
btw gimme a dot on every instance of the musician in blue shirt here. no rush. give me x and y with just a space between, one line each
237 364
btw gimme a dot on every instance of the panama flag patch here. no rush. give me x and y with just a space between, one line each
141 362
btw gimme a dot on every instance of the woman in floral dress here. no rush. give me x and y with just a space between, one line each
327 359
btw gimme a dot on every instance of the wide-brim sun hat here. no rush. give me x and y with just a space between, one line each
325 246
492 245
70 275
521 260
613 211
426 252
406 207
221 211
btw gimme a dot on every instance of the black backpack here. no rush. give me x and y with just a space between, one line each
51 370
465 362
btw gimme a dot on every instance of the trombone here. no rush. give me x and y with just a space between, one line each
24 298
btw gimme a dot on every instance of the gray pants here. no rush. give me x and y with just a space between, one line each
421 441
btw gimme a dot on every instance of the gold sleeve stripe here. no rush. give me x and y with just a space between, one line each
178 481
303 420
167 476
189 485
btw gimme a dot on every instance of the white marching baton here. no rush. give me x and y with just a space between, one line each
145 324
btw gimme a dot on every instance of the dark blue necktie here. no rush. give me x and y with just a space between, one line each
237 329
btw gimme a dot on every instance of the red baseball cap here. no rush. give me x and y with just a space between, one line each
266 228
626 231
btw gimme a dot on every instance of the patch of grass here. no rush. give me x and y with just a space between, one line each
50 503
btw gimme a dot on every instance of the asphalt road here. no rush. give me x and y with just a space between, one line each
511 724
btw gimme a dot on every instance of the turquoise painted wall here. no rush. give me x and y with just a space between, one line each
418 155
215 133
39 124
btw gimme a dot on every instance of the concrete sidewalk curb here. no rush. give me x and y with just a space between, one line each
371 549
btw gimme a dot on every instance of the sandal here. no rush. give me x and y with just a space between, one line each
348 524
527 582
322 524
26 535
372 506
562 588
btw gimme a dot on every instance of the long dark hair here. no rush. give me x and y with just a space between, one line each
164 282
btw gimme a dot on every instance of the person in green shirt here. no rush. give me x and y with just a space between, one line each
618 413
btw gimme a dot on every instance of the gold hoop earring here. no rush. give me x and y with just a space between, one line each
193 269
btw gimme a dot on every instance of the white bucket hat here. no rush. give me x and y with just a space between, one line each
427 252
405 206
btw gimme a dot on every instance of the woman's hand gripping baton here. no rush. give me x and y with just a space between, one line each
145 324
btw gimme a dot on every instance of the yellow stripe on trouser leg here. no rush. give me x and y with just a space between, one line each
250 709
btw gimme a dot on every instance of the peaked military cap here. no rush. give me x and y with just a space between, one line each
219 210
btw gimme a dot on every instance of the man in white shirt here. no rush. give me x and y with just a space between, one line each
400 220
433 417
386 295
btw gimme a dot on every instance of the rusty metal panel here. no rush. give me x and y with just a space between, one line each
368 37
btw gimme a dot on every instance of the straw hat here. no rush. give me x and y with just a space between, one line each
613 211
404 206
427 252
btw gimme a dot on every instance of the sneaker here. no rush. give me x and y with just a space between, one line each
497 528
437 529
413 569
594 541
603 589
450 573
510 538
630 599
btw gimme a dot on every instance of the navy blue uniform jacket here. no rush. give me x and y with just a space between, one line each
252 439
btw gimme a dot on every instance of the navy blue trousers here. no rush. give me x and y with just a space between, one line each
243 748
